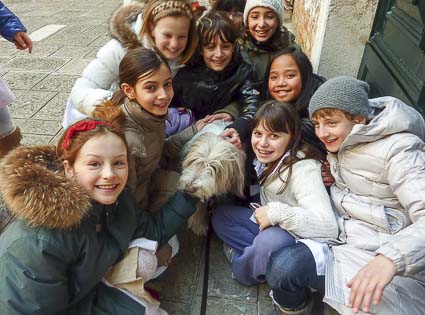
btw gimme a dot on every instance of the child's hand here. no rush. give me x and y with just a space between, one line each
163 254
262 218
369 283
220 116
200 124
232 136
327 177
22 41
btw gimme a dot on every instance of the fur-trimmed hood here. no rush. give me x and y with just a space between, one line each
35 189
126 24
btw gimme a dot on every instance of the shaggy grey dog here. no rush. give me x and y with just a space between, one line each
211 167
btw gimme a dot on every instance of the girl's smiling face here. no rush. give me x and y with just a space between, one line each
153 92
285 82
262 23
170 35
268 145
101 167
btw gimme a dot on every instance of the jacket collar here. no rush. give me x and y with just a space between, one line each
141 117
36 190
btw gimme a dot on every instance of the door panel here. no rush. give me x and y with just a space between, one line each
394 61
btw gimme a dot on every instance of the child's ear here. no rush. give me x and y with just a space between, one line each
128 91
69 170
151 30
360 120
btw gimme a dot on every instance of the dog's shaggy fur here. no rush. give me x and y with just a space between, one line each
211 167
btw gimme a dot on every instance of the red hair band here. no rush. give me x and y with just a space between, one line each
83 125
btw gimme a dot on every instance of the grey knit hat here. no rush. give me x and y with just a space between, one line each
344 93
275 5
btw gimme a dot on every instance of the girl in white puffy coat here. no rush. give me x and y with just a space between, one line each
168 27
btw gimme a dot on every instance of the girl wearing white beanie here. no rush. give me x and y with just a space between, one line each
265 33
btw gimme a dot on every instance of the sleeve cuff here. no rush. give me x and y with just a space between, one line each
395 256
275 212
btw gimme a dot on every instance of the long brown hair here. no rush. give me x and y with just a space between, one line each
282 117
216 24
158 9
137 63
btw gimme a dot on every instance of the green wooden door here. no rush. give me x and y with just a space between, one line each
394 60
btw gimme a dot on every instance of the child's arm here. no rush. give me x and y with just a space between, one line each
248 99
162 225
406 175
95 84
13 30
314 216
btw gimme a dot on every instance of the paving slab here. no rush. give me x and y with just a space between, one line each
57 82
23 80
40 50
35 64
38 127
28 103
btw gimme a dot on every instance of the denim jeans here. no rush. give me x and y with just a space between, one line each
291 273
253 248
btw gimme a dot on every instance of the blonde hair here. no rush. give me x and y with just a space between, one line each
327 112
158 9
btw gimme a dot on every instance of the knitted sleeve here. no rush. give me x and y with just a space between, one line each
313 216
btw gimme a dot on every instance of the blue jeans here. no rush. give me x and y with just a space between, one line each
291 273
253 248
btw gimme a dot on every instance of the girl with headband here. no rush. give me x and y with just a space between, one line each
167 27
72 219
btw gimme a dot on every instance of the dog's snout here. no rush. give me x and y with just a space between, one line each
189 188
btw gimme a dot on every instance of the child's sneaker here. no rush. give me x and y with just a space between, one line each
229 252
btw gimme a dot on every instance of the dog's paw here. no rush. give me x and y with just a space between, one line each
200 229
198 222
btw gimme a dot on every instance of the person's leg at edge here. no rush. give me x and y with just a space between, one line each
291 273
10 135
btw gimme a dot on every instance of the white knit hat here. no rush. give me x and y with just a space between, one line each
275 5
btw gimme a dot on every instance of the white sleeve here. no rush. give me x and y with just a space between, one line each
406 175
313 217
99 78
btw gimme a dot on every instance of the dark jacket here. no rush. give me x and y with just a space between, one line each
205 91
258 54
54 254
9 23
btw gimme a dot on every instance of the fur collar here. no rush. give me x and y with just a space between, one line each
126 24
36 190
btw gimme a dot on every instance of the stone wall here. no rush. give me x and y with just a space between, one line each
348 28
333 33
305 18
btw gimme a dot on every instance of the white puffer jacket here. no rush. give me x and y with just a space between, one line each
100 79
379 194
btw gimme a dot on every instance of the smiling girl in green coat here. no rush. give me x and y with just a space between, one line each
73 220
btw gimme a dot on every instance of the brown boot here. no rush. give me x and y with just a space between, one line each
306 310
10 142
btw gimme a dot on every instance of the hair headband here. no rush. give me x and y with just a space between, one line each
173 4
83 125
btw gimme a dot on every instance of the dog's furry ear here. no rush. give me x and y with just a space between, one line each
239 177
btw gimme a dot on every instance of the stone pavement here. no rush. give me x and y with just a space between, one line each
42 82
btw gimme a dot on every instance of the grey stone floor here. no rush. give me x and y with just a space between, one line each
42 81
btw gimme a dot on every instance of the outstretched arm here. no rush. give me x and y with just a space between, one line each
13 30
